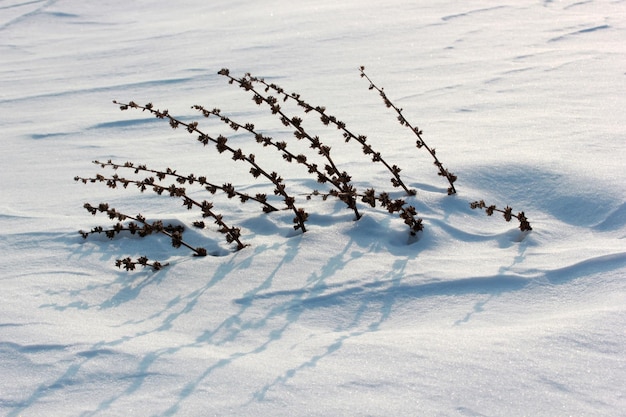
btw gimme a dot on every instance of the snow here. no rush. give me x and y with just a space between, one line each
522 100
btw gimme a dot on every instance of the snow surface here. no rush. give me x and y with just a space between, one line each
523 100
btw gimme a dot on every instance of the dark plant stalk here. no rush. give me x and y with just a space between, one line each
420 141
300 133
130 265
147 228
341 186
345 196
132 228
191 179
406 213
232 234
237 155
524 225
347 134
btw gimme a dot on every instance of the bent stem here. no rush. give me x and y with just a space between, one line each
191 179
300 133
237 154
524 225
147 229
420 141
342 192
232 233
327 119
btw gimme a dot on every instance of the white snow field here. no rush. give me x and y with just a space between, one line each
523 100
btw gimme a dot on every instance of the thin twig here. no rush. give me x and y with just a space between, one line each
237 154
420 141
347 134
524 225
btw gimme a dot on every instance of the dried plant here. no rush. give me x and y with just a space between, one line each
130 265
507 213
237 155
328 119
232 233
339 181
141 227
343 191
346 189
191 179
420 141
406 213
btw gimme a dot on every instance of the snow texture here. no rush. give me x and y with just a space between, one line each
523 100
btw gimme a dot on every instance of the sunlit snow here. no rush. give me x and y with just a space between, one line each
523 100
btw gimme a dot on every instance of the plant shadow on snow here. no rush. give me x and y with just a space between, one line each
128 288
574 199
358 304
269 308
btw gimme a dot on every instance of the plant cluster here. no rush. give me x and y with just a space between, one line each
327 173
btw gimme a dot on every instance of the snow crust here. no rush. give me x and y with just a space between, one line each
523 100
